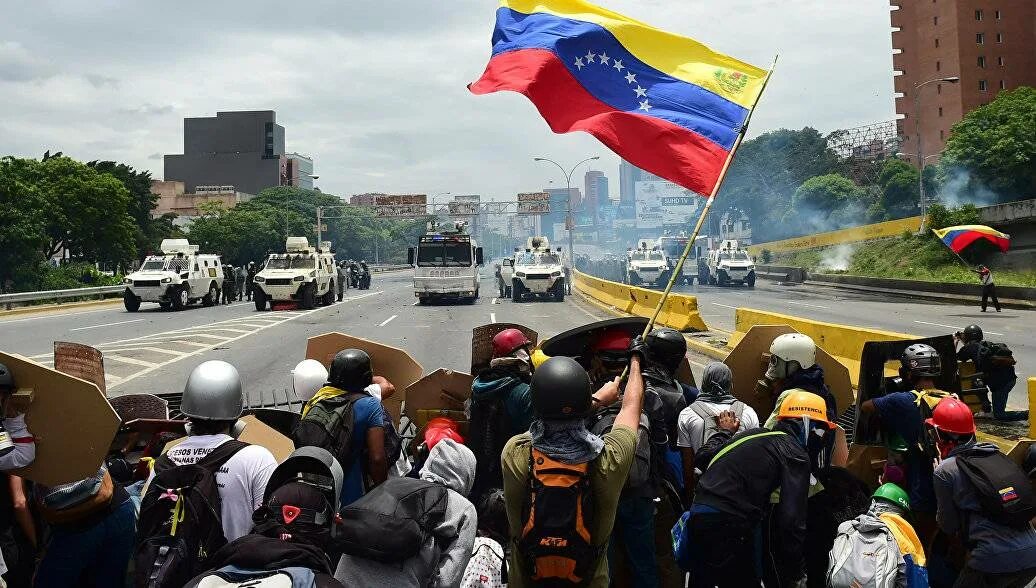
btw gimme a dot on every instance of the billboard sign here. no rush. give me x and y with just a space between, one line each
534 203
661 203
401 205
465 205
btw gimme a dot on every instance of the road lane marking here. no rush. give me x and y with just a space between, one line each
492 317
53 315
131 360
804 304
724 305
955 327
157 350
388 320
106 325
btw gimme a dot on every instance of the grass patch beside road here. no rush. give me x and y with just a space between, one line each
909 257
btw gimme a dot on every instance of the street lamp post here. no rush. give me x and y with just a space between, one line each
569 223
917 133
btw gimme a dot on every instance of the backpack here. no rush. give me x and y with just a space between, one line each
232 577
487 567
910 548
488 432
865 555
681 538
601 424
557 515
180 522
708 417
993 356
392 522
329 424
1004 492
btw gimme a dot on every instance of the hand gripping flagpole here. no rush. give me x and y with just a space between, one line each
708 205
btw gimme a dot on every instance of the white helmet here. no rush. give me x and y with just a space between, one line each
789 353
308 376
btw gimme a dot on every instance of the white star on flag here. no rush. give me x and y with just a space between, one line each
630 78
579 63
618 64
644 106
641 92
604 58
590 56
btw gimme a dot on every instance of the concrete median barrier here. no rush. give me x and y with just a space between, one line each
680 311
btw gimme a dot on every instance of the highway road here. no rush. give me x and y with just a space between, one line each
154 351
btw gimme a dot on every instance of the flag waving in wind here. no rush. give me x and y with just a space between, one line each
665 103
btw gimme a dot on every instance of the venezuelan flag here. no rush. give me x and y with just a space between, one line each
663 102
959 237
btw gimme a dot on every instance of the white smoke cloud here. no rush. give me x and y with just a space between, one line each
960 188
837 258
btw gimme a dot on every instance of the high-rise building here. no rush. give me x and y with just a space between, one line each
298 170
559 207
591 202
989 44
629 175
240 149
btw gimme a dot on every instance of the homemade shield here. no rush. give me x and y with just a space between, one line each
72 422
440 393
131 407
81 361
395 365
482 342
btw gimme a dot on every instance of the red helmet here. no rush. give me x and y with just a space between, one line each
441 428
614 339
952 416
507 341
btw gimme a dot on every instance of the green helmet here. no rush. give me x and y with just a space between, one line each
895 442
893 494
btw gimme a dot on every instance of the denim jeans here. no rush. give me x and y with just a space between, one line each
96 556
635 530
1000 392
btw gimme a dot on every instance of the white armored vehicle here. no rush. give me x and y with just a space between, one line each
538 272
446 264
302 274
646 265
730 263
175 279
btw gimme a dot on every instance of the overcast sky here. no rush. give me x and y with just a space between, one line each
375 91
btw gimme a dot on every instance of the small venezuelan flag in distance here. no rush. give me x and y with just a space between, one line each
665 103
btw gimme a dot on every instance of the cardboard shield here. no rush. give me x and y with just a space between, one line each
131 407
81 361
748 363
394 364
440 393
72 422
482 342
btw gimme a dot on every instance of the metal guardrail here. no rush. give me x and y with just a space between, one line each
102 291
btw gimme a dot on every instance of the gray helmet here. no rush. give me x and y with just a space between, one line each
6 379
920 360
213 393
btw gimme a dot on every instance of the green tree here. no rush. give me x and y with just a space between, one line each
996 144
23 222
150 231
825 194
899 197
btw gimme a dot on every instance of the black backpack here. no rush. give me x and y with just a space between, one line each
391 522
994 356
601 422
180 522
329 424
488 432
1004 492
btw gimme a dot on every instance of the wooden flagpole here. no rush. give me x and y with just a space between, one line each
708 204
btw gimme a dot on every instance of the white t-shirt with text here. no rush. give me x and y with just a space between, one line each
241 480
690 426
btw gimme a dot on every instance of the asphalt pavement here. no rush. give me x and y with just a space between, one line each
153 350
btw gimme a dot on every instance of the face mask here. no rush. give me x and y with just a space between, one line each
777 369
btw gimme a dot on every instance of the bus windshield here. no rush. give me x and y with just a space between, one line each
444 255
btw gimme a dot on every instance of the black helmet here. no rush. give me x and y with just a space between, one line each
351 370
667 347
6 379
972 333
920 360
560 389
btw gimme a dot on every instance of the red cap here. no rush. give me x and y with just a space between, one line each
507 341
614 339
953 416
441 428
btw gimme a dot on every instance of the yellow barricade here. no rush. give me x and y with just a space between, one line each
844 342
680 311
892 228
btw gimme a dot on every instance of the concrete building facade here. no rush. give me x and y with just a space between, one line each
241 149
173 197
989 44
298 171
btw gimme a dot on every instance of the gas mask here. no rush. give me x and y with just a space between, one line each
779 369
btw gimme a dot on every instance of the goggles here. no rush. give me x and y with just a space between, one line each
613 359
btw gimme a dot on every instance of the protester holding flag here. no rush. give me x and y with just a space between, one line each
959 237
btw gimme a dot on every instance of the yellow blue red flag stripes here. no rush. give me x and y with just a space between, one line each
665 103
959 237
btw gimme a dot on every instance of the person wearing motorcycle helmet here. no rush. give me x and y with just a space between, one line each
997 373
366 455
740 472
562 396
308 376
294 528
609 355
900 414
999 554
213 401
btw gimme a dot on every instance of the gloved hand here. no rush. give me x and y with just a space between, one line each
639 347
